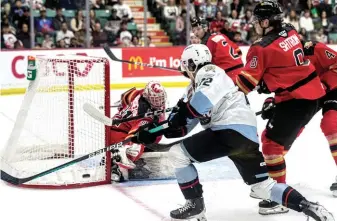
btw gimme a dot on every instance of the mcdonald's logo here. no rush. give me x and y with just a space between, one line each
136 59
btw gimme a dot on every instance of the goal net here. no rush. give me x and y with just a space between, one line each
51 127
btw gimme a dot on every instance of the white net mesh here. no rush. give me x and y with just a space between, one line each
51 127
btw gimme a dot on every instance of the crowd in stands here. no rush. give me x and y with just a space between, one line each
61 23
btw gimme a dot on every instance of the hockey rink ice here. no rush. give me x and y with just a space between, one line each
310 169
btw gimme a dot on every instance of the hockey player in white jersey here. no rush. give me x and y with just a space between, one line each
230 130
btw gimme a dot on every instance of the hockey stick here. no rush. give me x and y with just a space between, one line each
96 114
18 181
114 58
258 113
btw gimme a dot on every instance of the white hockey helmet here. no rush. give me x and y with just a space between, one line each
155 94
193 56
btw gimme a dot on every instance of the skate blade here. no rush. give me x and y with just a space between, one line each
199 217
275 210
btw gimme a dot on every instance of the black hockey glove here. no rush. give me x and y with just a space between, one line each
172 132
268 108
143 136
262 88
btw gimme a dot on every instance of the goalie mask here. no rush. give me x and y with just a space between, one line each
155 94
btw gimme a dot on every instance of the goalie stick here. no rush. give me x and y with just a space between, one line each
18 181
98 115
114 58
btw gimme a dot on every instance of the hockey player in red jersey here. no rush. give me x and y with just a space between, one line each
325 61
275 63
134 102
225 53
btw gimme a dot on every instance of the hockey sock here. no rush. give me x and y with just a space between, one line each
329 128
188 181
273 155
277 169
287 196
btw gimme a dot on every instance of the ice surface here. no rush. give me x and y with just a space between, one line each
310 169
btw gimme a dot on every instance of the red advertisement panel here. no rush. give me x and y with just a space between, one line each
168 57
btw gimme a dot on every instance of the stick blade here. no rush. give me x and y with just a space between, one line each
9 179
96 114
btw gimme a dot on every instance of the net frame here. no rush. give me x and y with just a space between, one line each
71 87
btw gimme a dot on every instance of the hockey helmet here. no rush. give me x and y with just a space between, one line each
199 22
193 57
268 9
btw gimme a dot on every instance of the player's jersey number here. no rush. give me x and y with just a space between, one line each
232 51
299 56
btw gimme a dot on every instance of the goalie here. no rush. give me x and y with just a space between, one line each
134 102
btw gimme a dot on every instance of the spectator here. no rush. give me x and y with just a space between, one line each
180 38
5 21
226 30
321 37
293 19
234 21
148 42
75 44
170 11
237 6
43 24
123 33
208 10
324 23
248 18
238 40
112 25
6 10
304 33
24 19
24 36
47 43
222 7
306 22
61 44
76 23
134 42
64 34
97 5
17 12
93 20
8 38
58 19
183 6
217 24
123 11
324 6
109 4
99 37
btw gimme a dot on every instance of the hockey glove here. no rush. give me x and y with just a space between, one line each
143 136
268 108
175 132
179 118
262 88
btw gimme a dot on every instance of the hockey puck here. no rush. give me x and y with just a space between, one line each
86 176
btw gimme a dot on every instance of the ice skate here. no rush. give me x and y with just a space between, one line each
193 209
254 195
316 211
333 188
267 207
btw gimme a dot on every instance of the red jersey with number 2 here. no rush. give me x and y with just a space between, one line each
325 61
225 54
277 59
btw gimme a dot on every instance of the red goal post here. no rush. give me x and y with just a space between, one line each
51 127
